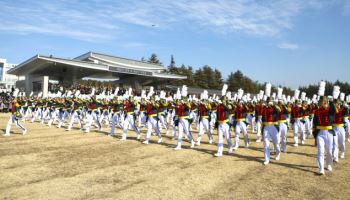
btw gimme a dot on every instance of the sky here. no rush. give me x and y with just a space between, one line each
286 42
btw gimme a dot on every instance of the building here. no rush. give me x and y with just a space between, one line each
7 81
40 70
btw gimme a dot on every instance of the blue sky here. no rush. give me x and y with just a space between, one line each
287 42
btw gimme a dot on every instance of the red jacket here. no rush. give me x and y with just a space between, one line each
222 112
338 117
240 112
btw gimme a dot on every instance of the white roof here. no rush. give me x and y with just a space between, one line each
105 63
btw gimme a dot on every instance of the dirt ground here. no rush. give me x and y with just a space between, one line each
49 163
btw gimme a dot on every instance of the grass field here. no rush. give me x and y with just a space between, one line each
49 163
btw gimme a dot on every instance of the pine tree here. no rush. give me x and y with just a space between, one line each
201 79
154 59
172 66
219 82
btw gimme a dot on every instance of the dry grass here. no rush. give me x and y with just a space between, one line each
49 163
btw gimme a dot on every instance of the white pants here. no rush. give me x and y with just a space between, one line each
90 117
338 141
37 114
75 117
298 126
347 127
184 126
223 131
283 135
22 111
250 119
175 125
45 114
142 119
170 116
270 132
13 119
204 124
307 125
213 120
129 121
104 117
196 119
28 112
63 115
152 123
241 126
115 122
162 120
54 115
258 128
324 142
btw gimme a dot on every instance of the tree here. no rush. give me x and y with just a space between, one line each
237 80
172 67
312 89
219 82
154 59
200 78
234 80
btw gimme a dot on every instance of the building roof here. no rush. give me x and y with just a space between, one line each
109 59
94 61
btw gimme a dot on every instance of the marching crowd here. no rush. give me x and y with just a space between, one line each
268 115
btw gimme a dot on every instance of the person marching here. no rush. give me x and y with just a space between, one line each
184 109
104 112
176 117
239 123
152 120
129 108
213 106
323 132
92 114
30 106
306 117
162 111
297 116
204 119
338 126
270 126
15 115
282 120
76 114
346 117
282 124
258 118
250 118
67 109
116 106
223 126
142 117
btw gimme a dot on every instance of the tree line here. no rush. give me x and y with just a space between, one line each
207 77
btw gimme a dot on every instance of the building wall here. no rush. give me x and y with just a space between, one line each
7 81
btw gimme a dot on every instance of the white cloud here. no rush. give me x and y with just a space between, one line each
105 19
134 45
346 9
288 45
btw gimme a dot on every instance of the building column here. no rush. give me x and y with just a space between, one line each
45 86
28 84
74 76
137 85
